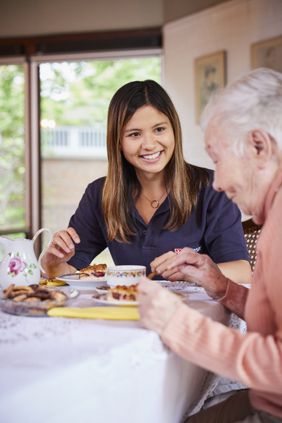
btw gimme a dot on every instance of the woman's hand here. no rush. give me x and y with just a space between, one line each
159 265
197 268
156 305
60 250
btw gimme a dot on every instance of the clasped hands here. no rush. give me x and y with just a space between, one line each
157 305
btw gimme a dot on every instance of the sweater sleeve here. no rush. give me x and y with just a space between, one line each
253 359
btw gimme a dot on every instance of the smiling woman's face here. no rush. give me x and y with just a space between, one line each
148 140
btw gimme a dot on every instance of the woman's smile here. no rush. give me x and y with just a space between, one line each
153 157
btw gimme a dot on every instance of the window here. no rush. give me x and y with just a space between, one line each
75 95
14 212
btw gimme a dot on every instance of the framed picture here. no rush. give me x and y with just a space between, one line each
267 54
210 74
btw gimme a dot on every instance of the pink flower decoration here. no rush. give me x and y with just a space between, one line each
16 265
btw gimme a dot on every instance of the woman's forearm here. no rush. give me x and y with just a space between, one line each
235 298
238 271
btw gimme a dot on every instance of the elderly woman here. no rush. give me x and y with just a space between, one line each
243 136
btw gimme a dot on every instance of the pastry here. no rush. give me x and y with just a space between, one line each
96 270
122 293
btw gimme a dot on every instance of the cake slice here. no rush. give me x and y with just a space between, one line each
93 270
122 293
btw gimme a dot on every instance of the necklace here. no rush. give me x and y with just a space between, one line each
155 203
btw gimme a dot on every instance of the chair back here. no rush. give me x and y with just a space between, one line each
251 233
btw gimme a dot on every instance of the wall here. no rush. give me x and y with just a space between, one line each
61 182
232 26
38 17
66 180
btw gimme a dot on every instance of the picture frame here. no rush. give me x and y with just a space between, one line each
210 75
267 54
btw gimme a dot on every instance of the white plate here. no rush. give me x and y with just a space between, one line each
71 292
103 289
82 284
181 286
103 300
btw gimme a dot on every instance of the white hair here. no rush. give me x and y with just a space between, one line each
254 101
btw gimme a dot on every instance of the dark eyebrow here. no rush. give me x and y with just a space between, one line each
132 130
161 123
137 129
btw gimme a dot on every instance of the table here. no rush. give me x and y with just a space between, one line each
58 370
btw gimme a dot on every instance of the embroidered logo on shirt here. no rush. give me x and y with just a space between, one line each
178 250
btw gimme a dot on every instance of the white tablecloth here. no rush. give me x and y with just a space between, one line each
57 370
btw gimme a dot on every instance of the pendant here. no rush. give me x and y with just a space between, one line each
155 204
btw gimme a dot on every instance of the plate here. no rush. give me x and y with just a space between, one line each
36 308
102 289
68 290
102 299
181 286
82 284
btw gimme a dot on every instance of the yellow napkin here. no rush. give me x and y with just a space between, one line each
107 313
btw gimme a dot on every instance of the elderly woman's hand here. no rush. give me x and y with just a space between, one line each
156 305
198 268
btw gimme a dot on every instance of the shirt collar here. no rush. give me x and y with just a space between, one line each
164 207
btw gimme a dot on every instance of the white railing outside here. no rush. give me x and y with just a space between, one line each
74 141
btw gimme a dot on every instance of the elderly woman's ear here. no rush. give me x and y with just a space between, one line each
262 146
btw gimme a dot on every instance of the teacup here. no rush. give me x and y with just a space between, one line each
125 275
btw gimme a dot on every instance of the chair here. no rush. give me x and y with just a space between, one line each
251 233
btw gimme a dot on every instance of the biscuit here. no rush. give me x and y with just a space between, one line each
19 298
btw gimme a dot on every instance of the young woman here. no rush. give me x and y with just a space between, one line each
152 202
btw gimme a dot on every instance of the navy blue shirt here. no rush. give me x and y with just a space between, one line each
213 227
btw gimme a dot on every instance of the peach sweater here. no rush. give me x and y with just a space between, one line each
255 358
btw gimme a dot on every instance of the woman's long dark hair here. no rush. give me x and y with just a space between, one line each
121 187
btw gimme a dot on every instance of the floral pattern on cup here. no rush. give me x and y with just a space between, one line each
127 273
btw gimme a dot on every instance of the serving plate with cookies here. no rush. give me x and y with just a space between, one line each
31 300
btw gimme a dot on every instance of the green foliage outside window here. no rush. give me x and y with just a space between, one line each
12 168
78 93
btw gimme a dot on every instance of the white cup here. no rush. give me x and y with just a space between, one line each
125 275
